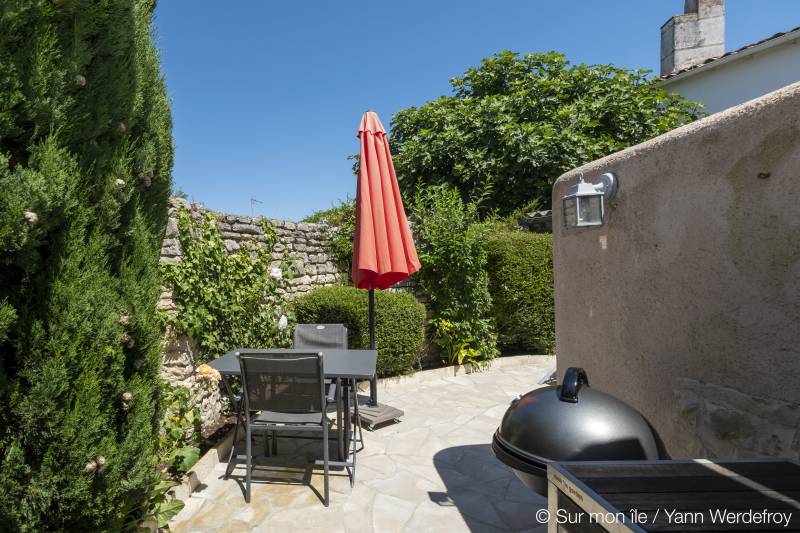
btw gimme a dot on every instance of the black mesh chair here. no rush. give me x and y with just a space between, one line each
332 336
284 392
319 336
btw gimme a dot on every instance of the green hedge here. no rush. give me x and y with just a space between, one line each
399 322
520 270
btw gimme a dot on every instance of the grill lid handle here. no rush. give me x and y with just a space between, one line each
574 379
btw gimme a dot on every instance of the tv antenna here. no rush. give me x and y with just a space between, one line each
253 202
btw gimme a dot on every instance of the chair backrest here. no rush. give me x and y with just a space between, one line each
283 382
319 336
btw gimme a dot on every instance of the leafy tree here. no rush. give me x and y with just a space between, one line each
85 163
516 123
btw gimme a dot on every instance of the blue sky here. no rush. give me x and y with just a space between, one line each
267 95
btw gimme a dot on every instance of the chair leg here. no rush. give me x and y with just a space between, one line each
274 442
233 447
339 436
358 424
359 431
249 464
325 459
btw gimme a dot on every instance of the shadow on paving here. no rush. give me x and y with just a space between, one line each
292 465
487 494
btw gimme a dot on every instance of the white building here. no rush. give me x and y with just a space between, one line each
695 65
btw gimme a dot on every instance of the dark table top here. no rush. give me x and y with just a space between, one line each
358 364
662 493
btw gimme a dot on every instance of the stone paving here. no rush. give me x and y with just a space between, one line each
434 471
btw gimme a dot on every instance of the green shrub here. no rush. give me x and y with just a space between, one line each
399 322
181 428
520 266
85 175
451 243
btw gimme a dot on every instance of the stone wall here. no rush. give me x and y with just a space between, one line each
305 242
313 267
685 302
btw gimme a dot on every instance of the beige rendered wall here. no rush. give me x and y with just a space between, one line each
686 303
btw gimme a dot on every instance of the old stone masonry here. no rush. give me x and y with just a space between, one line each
306 243
313 267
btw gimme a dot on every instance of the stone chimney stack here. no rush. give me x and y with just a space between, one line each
693 37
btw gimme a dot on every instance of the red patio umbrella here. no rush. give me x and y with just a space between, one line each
383 249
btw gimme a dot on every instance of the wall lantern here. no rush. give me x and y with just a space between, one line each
584 203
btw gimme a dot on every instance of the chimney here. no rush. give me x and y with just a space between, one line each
695 36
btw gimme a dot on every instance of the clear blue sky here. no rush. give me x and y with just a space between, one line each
267 95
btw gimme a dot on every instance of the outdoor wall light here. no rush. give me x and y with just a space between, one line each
584 203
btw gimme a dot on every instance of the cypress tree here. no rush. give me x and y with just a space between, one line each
85 161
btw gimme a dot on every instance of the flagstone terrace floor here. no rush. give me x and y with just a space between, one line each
432 472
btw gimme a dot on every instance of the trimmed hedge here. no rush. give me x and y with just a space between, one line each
399 322
520 270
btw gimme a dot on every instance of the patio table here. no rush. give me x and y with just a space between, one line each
340 365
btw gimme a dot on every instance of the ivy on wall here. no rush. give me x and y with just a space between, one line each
224 300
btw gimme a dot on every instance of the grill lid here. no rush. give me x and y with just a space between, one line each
574 422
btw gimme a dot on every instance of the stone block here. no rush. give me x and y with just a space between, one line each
172 227
301 280
233 235
247 229
170 248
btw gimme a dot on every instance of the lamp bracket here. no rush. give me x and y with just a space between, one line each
609 185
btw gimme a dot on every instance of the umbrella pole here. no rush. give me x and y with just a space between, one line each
373 383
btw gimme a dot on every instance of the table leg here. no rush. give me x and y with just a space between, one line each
339 418
238 411
346 393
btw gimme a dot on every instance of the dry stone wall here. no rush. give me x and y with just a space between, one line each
306 243
314 266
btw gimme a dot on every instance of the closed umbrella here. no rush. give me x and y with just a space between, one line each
383 250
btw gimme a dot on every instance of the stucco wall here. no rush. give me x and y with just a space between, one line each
745 78
686 303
